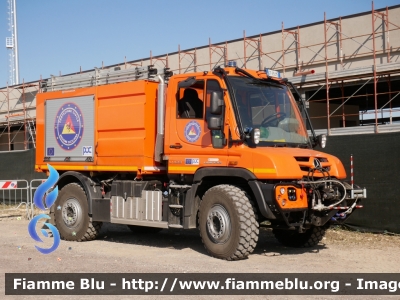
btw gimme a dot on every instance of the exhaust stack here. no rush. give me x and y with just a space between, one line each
159 149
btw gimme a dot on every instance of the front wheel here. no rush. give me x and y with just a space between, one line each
71 215
228 226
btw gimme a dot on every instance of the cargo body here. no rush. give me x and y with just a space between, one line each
117 128
223 151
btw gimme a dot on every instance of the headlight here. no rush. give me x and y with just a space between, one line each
322 140
256 135
282 190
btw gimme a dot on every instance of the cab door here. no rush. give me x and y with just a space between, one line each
190 145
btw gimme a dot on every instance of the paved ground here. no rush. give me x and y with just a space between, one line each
118 250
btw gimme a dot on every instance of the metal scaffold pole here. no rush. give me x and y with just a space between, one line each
327 78
375 80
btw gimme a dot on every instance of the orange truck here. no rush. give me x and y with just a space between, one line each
223 151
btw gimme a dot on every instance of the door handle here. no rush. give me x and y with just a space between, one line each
176 146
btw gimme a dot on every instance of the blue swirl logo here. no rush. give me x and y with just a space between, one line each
49 199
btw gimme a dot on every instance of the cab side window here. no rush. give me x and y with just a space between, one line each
190 101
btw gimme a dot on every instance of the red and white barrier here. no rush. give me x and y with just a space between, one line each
6 185
351 171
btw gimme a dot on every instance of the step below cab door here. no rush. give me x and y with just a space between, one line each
190 144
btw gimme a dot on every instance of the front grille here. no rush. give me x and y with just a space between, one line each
301 158
306 163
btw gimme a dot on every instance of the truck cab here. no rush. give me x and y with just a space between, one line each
255 124
250 134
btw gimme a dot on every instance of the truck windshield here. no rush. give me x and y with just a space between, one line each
271 108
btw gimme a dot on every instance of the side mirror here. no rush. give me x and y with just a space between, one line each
215 123
217 103
296 97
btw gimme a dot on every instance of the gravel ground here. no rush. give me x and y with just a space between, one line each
117 250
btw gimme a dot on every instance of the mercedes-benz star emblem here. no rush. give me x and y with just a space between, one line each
317 163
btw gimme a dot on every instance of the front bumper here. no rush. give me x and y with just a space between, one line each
295 203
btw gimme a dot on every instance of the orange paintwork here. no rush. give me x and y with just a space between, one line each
125 131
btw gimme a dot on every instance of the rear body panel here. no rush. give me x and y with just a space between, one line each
118 120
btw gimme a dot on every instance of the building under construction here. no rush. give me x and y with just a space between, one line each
347 68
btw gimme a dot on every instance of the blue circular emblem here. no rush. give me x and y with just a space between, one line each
68 126
192 131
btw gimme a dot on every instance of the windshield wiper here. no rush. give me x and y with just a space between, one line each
305 146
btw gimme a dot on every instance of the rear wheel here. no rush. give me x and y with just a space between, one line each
228 226
291 238
71 215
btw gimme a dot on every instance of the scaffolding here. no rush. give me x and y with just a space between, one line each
18 117
191 62
320 64
362 78
220 51
155 60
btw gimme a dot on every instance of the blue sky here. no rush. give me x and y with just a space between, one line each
56 36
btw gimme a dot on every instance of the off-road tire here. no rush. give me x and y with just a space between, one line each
71 215
228 226
292 238
144 230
